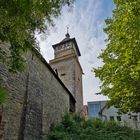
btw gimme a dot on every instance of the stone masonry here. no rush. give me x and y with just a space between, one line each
38 99
67 66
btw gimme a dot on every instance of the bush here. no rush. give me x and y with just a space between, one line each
73 127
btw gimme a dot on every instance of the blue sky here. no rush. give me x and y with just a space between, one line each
86 22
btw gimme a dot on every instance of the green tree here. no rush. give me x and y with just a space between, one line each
120 73
19 20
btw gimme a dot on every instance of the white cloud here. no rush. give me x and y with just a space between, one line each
86 26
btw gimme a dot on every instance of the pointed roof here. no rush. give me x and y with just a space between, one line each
66 38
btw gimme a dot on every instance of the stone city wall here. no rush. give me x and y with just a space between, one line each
38 99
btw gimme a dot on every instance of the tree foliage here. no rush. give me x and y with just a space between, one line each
75 128
120 74
19 20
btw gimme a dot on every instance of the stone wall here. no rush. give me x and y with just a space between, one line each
38 99
78 85
70 72
66 72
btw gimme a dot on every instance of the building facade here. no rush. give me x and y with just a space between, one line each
66 65
94 108
99 109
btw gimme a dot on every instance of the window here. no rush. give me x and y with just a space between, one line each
119 118
0 118
93 110
135 118
63 74
59 48
68 45
112 118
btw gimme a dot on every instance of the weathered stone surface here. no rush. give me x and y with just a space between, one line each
37 100
69 69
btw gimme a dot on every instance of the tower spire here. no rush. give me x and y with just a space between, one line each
67 29
67 34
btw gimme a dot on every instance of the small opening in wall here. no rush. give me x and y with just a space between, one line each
0 118
63 74
32 56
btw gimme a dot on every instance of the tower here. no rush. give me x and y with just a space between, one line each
67 66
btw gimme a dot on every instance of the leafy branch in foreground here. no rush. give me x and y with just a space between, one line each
20 19
120 73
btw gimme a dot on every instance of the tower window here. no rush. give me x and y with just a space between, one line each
135 118
65 45
63 74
